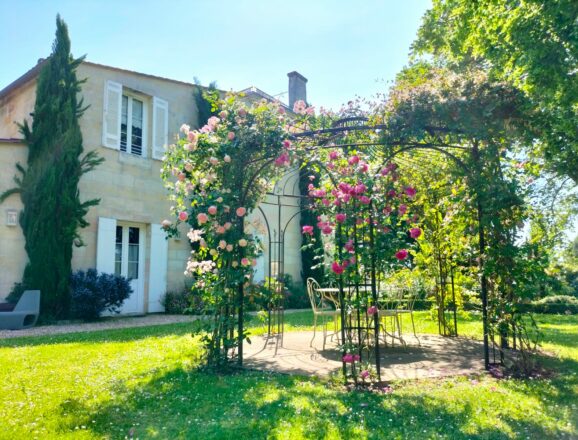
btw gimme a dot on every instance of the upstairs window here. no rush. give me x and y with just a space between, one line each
126 124
131 125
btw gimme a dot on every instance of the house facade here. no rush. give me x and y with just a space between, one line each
130 119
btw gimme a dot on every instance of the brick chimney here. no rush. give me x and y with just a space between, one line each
297 88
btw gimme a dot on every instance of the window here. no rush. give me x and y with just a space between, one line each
131 125
125 124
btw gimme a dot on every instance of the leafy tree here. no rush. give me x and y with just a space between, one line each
531 44
205 101
48 187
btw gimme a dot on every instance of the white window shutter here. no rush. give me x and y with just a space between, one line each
112 109
158 269
160 127
105 245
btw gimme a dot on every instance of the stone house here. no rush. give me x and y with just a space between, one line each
130 119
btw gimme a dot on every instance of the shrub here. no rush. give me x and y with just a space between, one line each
183 302
93 293
295 294
564 304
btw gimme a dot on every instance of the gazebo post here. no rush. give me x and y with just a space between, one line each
374 295
481 258
341 303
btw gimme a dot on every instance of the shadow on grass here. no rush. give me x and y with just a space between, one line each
252 405
109 335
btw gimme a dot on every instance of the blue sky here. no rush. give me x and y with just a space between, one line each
345 48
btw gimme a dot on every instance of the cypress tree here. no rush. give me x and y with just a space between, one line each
53 213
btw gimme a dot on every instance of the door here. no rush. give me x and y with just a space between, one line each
129 262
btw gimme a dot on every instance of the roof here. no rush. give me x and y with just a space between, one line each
33 73
256 91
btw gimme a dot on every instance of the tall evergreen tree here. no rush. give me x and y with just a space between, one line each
48 187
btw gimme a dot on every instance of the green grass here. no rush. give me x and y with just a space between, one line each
143 382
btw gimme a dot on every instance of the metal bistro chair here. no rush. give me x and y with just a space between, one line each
389 308
405 307
320 309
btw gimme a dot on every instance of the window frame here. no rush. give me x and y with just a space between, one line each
131 96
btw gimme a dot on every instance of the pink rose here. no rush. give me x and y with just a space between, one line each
182 176
183 216
230 135
228 225
241 211
365 200
222 244
348 358
229 247
327 229
213 161
253 262
353 160
212 210
193 137
372 310
287 143
242 112
242 242
166 224
402 209
333 155
401 254
227 158
307 230
337 268
223 114
220 230
414 232
340 217
391 193
410 192
364 374
245 262
202 218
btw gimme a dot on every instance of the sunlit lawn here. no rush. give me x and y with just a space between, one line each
142 382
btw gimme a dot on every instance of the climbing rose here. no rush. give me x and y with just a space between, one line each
410 192
213 160
245 262
229 247
337 268
402 209
340 217
299 107
183 216
415 232
227 158
372 310
212 210
365 200
286 143
230 135
307 230
166 224
327 230
353 160
364 374
241 211
222 244
202 218
401 254
242 242
333 155
185 129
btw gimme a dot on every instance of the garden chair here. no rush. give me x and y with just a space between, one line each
405 307
25 313
389 309
320 309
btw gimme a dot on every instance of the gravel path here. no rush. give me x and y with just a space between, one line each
110 323
106 324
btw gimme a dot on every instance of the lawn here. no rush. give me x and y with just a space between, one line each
143 383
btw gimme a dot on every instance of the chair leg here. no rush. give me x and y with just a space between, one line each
413 325
314 329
